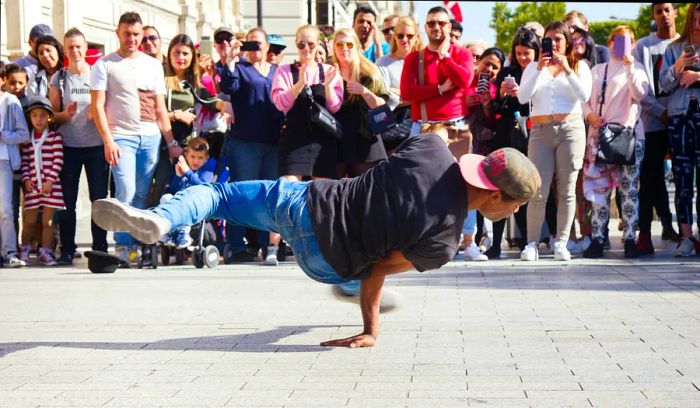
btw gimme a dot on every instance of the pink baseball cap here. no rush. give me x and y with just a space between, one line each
506 170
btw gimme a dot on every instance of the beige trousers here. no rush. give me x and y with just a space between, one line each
557 150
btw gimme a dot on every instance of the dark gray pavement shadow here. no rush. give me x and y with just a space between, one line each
256 342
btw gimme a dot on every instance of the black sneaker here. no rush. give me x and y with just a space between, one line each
494 252
282 252
595 250
242 257
630 249
65 259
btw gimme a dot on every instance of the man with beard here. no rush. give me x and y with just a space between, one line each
365 26
649 51
447 71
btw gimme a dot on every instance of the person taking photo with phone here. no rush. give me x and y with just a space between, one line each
557 86
618 89
680 77
653 194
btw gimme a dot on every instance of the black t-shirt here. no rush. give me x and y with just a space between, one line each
415 201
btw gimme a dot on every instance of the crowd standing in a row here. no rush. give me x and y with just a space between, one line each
159 123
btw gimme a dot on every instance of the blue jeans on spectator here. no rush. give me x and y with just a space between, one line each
249 161
469 227
97 172
269 205
8 234
133 174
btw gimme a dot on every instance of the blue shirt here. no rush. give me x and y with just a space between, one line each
204 174
371 52
256 117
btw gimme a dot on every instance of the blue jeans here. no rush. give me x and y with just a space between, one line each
469 227
278 206
8 233
133 174
248 161
97 172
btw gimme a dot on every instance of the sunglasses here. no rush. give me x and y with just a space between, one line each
151 38
388 30
274 51
435 23
578 41
221 40
401 36
342 44
303 44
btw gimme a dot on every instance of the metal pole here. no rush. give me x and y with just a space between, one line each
260 13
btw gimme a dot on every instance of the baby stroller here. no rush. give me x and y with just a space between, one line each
205 253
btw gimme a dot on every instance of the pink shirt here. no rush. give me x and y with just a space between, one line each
627 85
283 97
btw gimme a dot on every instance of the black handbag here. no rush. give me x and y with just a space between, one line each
318 114
323 119
616 143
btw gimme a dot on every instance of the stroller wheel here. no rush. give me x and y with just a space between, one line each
211 256
164 255
179 256
228 254
198 258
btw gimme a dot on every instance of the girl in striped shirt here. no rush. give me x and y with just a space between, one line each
42 161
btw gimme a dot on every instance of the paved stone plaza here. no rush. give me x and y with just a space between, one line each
588 333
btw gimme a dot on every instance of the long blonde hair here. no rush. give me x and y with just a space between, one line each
406 22
360 67
688 26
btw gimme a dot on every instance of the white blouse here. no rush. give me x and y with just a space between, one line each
555 95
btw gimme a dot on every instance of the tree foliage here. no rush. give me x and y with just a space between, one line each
506 22
641 25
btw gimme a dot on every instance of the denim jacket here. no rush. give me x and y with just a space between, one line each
679 97
13 127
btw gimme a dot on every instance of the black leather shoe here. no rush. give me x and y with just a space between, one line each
630 249
595 250
65 259
669 234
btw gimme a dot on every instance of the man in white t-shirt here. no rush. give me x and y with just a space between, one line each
127 89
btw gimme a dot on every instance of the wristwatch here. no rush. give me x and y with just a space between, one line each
445 54
173 143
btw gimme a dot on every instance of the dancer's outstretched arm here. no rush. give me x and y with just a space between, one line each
370 300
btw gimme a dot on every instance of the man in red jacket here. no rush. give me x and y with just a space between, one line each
447 71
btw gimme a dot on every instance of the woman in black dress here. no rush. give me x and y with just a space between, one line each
304 149
360 148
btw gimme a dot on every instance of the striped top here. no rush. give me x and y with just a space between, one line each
51 165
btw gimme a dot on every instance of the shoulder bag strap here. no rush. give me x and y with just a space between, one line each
602 92
421 81
295 73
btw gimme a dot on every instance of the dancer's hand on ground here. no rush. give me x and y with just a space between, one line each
360 340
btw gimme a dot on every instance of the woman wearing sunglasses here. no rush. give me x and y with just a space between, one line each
304 149
360 148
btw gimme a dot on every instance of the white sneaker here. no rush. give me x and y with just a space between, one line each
11 261
685 248
472 253
560 252
574 246
271 258
144 225
122 251
530 253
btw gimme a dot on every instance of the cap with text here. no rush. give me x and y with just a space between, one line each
506 170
